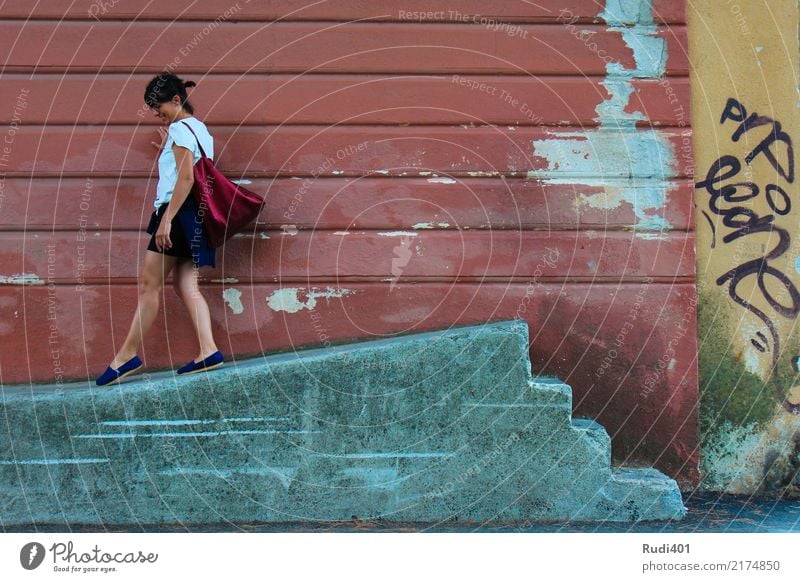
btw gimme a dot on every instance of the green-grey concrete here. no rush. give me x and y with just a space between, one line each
444 425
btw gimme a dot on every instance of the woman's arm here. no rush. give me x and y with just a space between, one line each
184 160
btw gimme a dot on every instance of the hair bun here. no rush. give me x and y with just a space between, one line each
189 84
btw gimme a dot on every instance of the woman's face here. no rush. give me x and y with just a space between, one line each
169 110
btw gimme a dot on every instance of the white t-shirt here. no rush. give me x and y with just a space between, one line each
178 133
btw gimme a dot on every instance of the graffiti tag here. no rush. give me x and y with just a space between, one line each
733 202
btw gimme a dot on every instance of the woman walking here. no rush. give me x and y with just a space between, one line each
177 236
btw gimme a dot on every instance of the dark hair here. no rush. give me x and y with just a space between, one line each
164 86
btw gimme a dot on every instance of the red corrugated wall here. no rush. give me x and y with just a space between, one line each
401 155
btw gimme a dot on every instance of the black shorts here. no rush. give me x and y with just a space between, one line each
186 217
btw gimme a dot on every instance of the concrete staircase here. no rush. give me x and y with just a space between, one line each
446 425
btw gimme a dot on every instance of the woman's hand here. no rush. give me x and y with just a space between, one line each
162 235
162 134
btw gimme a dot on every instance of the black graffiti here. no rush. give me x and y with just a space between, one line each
745 221
762 345
726 200
735 111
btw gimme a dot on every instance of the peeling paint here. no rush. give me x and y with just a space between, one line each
649 52
646 201
342 232
619 12
225 280
612 110
430 225
233 298
593 156
632 165
243 181
397 233
441 181
290 229
288 299
21 279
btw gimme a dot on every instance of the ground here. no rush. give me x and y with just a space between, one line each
708 512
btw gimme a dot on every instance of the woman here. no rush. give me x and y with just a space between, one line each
177 236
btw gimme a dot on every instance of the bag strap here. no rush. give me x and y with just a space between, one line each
195 137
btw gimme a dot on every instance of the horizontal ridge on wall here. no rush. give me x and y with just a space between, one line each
664 11
379 255
362 150
416 203
243 47
348 99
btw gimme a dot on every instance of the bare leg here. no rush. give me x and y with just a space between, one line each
185 283
151 282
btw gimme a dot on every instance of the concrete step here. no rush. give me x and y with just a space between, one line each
595 436
638 494
426 427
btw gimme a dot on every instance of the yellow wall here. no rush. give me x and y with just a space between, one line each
744 54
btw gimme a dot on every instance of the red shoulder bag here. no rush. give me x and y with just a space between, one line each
226 208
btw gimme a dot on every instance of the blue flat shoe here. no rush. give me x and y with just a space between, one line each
112 376
215 360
